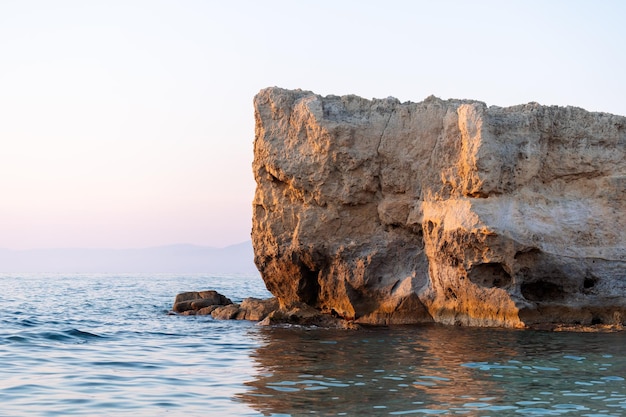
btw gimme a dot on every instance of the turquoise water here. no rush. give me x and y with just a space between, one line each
102 345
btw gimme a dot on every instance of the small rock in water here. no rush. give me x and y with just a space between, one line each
229 312
198 300
265 311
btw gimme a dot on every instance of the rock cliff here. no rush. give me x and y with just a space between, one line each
446 210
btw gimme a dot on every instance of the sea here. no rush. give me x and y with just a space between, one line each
106 345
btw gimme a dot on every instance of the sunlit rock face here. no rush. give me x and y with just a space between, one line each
446 211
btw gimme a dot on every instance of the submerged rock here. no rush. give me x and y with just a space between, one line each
446 210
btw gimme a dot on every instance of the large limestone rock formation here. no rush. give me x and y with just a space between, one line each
446 211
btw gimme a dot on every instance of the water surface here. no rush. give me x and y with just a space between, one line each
101 345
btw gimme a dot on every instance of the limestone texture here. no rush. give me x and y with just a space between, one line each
383 212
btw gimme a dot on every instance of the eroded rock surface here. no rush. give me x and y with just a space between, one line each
449 211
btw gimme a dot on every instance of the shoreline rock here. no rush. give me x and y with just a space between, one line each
268 312
580 328
446 211
264 311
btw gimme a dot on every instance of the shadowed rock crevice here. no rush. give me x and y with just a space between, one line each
308 286
542 290
490 275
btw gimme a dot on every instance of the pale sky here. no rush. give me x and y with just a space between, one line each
128 124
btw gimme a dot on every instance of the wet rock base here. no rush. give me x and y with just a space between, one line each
268 312
264 311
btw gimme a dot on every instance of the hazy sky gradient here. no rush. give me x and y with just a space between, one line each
130 123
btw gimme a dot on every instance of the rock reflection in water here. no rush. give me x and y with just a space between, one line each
437 370
333 372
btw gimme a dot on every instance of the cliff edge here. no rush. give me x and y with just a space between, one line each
446 210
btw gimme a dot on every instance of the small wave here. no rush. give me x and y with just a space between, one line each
128 364
55 336
68 336
83 335
17 339
27 388
29 322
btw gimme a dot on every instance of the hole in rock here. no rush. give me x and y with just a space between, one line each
590 282
450 294
542 291
597 320
308 287
489 275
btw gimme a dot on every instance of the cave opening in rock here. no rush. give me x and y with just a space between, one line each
542 290
308 286
489 275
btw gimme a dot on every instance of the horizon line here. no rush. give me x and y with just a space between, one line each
128 248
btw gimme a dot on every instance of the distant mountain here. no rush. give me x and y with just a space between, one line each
173 258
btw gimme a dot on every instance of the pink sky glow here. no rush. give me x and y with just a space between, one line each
130 124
